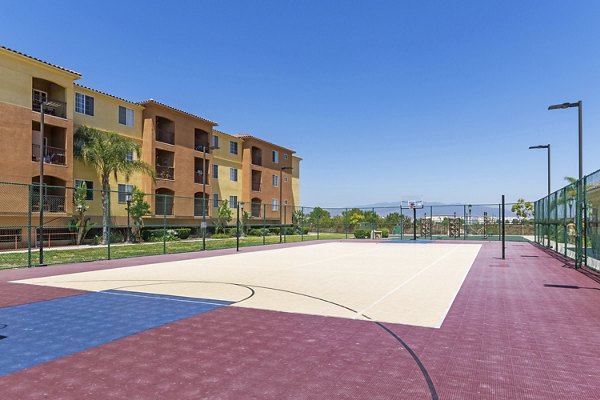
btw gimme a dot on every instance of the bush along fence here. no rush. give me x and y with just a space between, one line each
61 224
566 221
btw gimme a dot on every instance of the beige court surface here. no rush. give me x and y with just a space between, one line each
406 283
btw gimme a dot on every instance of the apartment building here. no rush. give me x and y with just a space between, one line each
196 165
106 112
267 176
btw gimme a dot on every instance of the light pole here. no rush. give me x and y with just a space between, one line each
43 105
280 199
580 232
544 146
204 175
128 199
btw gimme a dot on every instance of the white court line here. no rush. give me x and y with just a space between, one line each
164 298
360 313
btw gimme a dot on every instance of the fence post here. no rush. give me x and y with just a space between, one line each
565 236
285 223
318 225
302 224
108 228
346 223
401 223
503 232
499 223
465 221
264 230
430 222
203 223
237 227
164 223
585 221
28 226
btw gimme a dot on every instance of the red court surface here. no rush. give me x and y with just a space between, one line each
508 335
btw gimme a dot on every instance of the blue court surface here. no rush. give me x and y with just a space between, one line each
39 332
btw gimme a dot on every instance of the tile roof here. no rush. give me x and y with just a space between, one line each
152 101
38 60
246 136
107 94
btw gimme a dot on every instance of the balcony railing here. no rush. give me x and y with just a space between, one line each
202 148
163 172
54 107
200 178
165 136
256 186
52 203
52 155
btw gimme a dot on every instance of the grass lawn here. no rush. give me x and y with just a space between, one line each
12 260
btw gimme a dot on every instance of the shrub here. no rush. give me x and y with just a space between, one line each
385 233
220 236
361 233
158 235
258 232
115 237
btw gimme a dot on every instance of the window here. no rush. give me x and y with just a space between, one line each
84 104
129 156
285 179
215 141
233 147
233 174
285 156
38 98
275 156
125 116
215 171
233 201
285 202
124 190
275 205
90 188
275 180
216 200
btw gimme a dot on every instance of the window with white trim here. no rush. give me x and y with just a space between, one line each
275 156
215 200
215 141
126 116
84 104
285 178
129 156
275 180
233 201
233 147
215 171
275 205
285 156
233 174
124 190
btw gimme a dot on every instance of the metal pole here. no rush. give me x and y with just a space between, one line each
401 223
280 201
465 221
29 189
237 228
285 223
128 226
204 200
346 223
414 223
264 231
503 231
548 169
580 120
302 224
109 228
164 223
41 194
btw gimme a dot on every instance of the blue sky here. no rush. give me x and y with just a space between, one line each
382 99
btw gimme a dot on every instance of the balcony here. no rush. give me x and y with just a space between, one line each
256 155
54 194
164 172
200 175
256 179
52 203
165 130
52 155
47 91
54 107
201 141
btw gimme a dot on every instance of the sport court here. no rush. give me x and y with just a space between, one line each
343 319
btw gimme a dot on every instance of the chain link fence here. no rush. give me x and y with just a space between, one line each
90 224
566 221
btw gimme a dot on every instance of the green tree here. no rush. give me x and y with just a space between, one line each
108 153
393 219
299 219
224 216
138 208
523 209
82 224
319 216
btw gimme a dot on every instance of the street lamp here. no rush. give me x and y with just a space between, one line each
50 105
580 232
128 200
237 229
544 146
280 199
204 175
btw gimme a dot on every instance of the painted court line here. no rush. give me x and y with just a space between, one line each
160 297
388 294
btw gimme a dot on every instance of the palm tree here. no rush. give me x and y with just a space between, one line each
108 152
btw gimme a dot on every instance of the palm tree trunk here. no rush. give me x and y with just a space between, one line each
81 230
105 209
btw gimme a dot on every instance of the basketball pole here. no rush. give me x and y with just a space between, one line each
503 232
414 223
